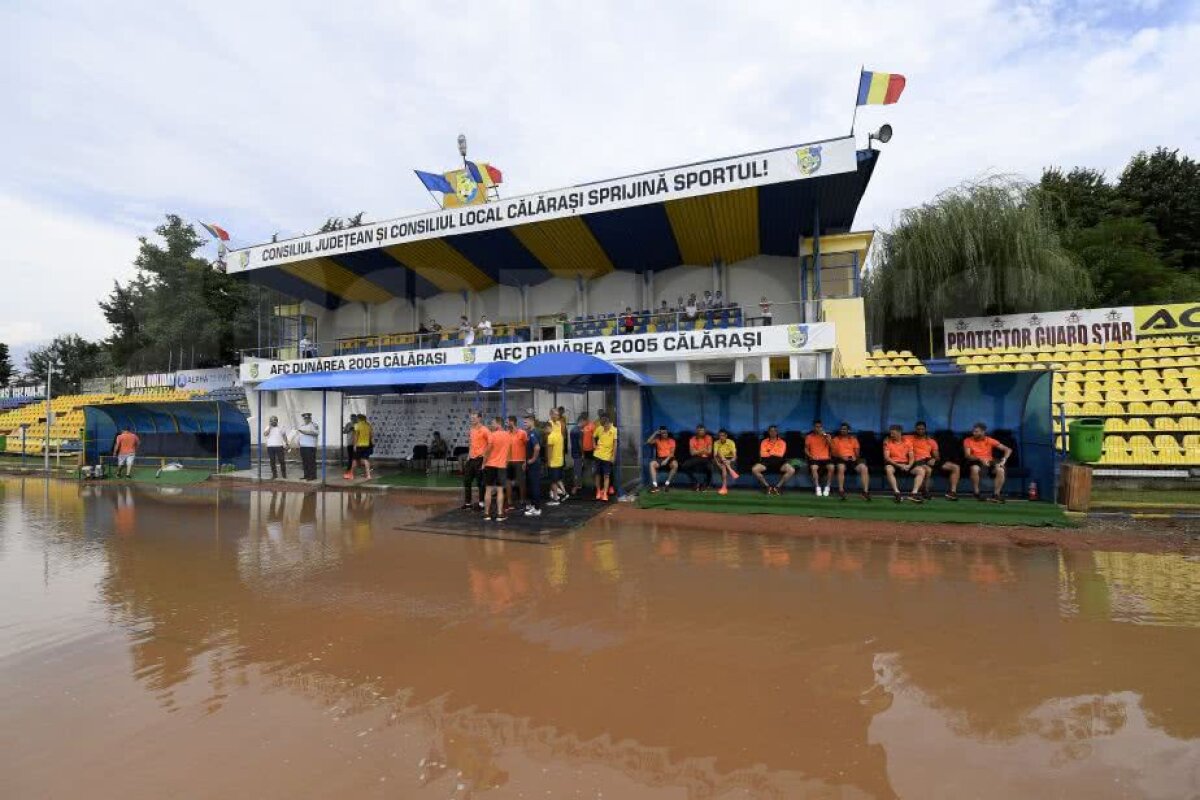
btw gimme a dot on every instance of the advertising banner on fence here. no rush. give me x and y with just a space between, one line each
1048 329
1176 319
647 347
754 169
1070 328
206 379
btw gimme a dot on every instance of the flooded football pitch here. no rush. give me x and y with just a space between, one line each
237 643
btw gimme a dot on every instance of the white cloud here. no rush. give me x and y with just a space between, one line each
56 264
272 116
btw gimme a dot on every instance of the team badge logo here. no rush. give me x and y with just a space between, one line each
254 370
468 355
809 159
1035 321
961 325
181 381
797 336
244 259
467 189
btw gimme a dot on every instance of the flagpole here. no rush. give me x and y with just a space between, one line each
854 117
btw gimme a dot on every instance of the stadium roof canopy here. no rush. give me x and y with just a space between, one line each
724 210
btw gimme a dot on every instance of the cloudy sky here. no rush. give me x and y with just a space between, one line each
270 117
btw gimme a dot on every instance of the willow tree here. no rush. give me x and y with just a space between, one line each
979 249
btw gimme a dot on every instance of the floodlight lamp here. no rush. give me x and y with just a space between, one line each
462 145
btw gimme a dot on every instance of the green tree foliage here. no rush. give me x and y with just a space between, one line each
74 359
987 247
178 310
6 365
1164 189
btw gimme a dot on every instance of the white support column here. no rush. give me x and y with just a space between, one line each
683 372
581 303
794 367
765 367
716 275
739 370
366 307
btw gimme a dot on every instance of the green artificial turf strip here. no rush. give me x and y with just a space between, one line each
419 480
181 477
1145 498
881 507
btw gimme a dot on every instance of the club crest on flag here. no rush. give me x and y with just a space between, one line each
809 159
467 189
797 336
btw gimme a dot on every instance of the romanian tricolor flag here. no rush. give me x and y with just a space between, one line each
216 231
879 88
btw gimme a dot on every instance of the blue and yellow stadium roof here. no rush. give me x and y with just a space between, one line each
697 226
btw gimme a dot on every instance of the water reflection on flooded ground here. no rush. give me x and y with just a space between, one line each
196 643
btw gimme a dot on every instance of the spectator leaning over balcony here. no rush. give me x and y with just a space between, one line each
485 329
465 331
628 320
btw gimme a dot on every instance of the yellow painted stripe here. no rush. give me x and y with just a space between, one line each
336 279
879 84
441 265
565 247
716 227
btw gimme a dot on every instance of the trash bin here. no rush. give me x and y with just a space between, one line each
1085 439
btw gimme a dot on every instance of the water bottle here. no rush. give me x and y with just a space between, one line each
1033 490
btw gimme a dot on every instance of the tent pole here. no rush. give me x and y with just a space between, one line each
258 424
324 434
217 403
503 401
342 426
617 423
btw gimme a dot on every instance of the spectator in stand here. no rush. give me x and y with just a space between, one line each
663 458
485 329
533 468
434 326
348 432
306 348
306 440
847 454
980 450
473 472
700 464
725 459
665 315
277 442
764 311
691 309
465 331
125 450
706 302
771 452
628 320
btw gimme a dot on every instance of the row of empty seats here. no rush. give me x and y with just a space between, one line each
881 363
503 333
66 425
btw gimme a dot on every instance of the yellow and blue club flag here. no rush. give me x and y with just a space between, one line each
879 88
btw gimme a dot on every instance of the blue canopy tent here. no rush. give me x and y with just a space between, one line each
201 431
573 372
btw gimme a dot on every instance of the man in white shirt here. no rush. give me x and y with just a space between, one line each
306 440
485 330
306 348
276 439
465 331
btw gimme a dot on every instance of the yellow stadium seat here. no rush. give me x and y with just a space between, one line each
1189 423
1165 424
1186 406
1113 407
1093 408
1114 425
1137 407
1161 407
1072 409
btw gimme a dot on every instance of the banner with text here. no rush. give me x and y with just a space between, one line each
1176 319
1088 326
771 340
206 380
757 169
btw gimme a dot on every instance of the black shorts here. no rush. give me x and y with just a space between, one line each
364 452
604 468
819 462
588 455
556 474
516 470
664 463
851 463
493 476
975 462
773 464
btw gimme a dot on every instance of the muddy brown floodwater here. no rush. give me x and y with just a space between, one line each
194 643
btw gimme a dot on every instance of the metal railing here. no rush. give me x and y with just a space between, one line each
592 325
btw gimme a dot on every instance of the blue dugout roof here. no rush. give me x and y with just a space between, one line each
190 430
570 372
